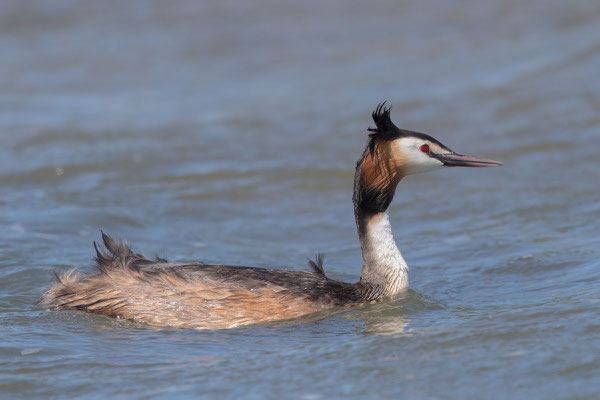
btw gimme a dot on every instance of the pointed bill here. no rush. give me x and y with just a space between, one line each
459 160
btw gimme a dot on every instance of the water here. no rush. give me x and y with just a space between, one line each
228 132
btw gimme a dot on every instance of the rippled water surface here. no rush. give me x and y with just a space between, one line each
228 132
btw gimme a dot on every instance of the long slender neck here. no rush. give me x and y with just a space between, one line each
384 270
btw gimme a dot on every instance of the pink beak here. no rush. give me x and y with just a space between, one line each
458 160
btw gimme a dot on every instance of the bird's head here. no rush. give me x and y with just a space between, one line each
411 152
393 153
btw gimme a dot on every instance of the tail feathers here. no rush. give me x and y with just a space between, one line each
117 254
85 293
60 291
317 264
112 257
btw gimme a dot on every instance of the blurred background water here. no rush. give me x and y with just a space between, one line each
228 132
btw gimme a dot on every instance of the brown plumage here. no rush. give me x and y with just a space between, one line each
209 296
195 295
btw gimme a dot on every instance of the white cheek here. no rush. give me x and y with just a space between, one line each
421 162
416 161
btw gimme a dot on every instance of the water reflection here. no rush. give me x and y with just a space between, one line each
393 317
388 326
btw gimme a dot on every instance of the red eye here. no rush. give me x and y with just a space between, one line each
425 148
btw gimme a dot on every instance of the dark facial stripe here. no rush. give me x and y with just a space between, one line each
387 130
422 136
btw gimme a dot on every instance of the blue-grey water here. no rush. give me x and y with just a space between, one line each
228 132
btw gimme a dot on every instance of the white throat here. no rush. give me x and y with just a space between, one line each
383 264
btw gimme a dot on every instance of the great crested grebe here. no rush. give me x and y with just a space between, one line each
210 296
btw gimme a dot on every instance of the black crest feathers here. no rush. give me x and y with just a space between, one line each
385 128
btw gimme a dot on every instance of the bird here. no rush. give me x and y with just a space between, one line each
197 295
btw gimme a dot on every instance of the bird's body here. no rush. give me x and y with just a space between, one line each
196 295
208 296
